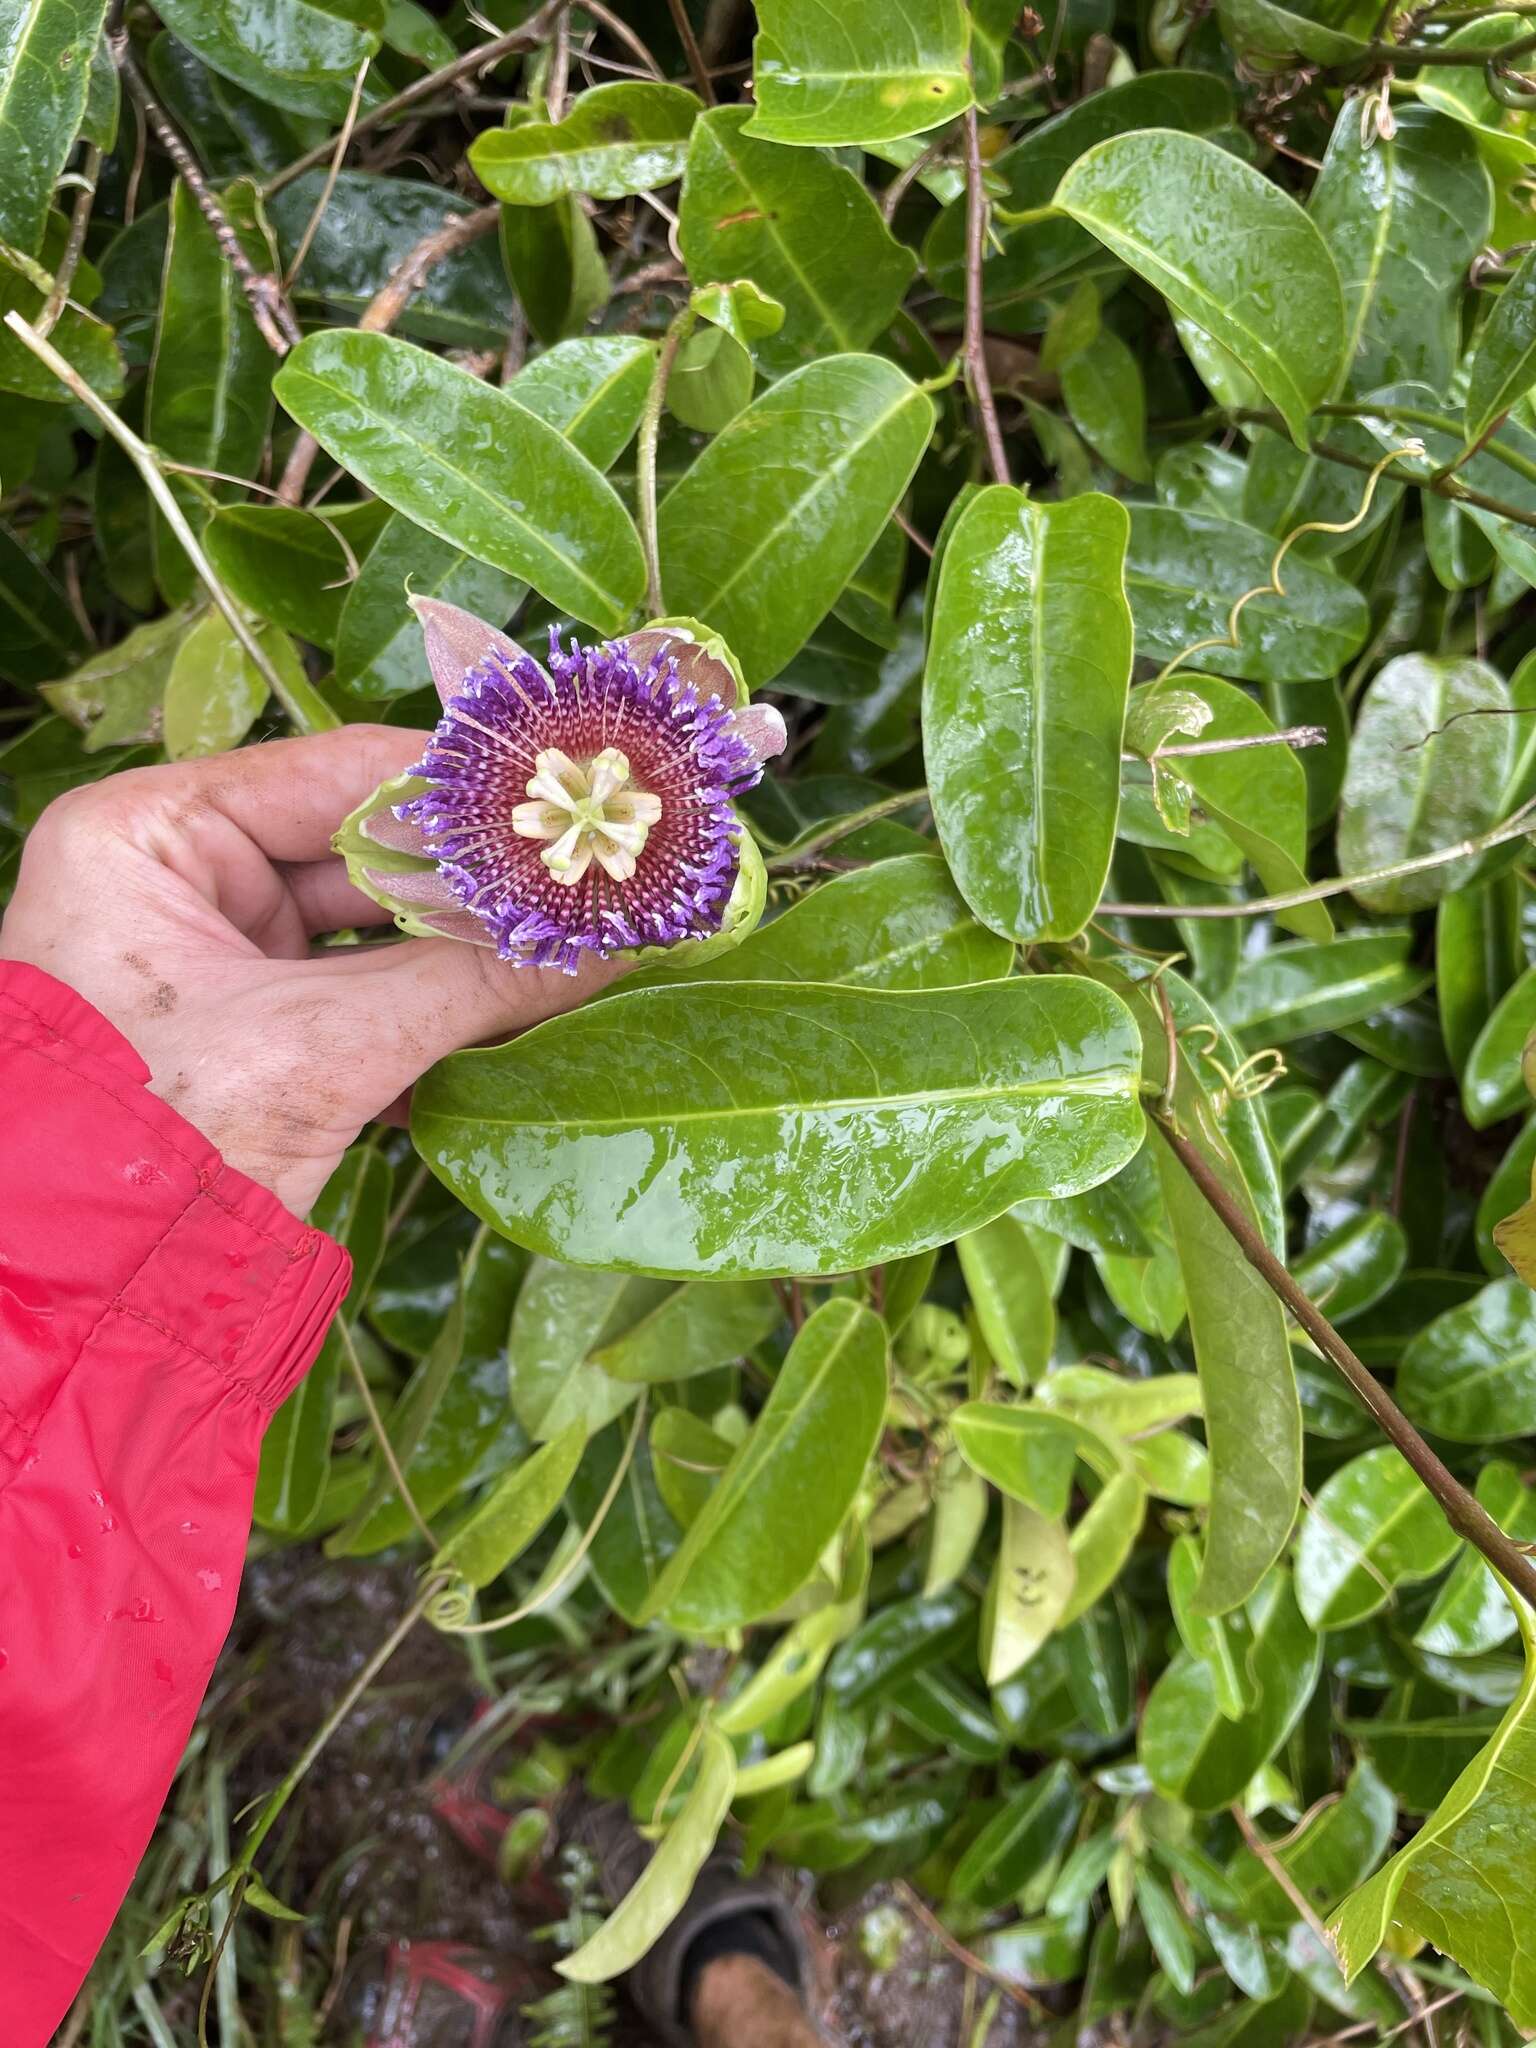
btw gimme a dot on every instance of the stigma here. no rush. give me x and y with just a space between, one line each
586 811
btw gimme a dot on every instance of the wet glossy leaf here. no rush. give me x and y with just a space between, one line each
353 1208
886 1091
286 565
1478 956
1471 1375
871 72
761 535
1252 1412
1185 569
1024 706
1294 990
1464 1880
614 139
897 924
562 1314
551 255
1492 1083
687 1459
1504 361
1027 1453
379 651
692 1331
1227 249
1010 1297
513 1512
1374 1527
639 1532
1219 1641
795 1476
1472 1612
1103 390
369 226
1033 1825
800 227
209 396
437 445
215 693
1353 1266
711 381
662 1888
1334 1852
45 70
290 53
1188 1747
1427 765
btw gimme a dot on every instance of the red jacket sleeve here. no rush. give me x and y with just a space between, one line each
155 1307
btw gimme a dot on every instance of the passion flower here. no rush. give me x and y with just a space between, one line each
583 805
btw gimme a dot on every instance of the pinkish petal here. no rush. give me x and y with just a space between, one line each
428 889
459 924
396 835
710 676
457 642
763 729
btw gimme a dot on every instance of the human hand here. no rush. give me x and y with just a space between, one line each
182 901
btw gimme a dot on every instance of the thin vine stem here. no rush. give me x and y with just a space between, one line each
977 373
645 452
1465 1513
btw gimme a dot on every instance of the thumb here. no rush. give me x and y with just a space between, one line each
413 1003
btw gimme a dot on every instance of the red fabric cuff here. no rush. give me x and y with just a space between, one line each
160 1231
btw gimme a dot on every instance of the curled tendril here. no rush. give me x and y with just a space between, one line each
451 1608
1260 1070
1413 449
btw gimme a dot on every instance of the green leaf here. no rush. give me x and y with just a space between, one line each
760 536
513 1512
287 565
353 1207
896 924
368 227
115 698
592 388
1353 1266
1493 1085
550 253
1427 764
1024 706
1295 990
1031 1587
1470 1375
1166 1930
1219 1641
1027 1453
209 399
1264 32
215 693
1227 249
1501 131
640 1531
1183 572
1029 267
1187 1746
1374 1527
438 445
1252 1412
287 53
1257 795
687 1459
1472 1613
1335 1851
692 1331
661 1891
562 1314
1464 1880
1010 1297
803 229
610 1137
1103 389
45 72
1478 956
615 139
379 650
1504 361
1031 1827
872 71
785 1492
711 381
40 633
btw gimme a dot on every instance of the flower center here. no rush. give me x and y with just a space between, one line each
586 811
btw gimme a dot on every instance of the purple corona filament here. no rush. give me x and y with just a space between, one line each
589 806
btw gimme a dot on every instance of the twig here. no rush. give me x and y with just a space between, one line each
802 849
270 310
69 262
918 540
1290 736
962 1955
975 330
312 225
559 70
1303 1906
384 309
623 33
381 1434
1519 825
1462 1510
691 51
645 453
307 708
527 37
904 180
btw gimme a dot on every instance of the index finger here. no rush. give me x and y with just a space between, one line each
289 796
